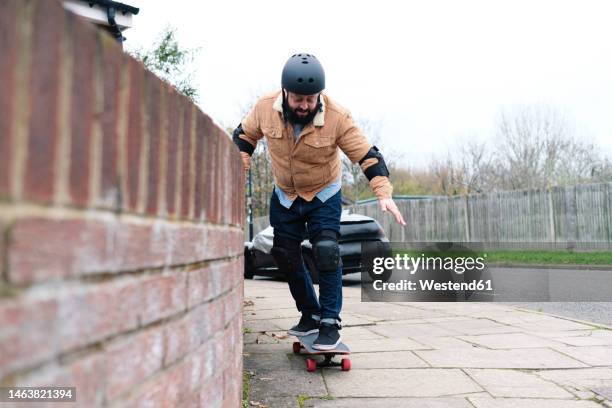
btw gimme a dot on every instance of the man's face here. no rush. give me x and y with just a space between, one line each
302 105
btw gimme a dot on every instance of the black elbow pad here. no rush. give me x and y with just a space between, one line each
242 144
378 169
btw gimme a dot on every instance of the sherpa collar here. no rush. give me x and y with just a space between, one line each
319 118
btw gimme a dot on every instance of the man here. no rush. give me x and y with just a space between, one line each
304 129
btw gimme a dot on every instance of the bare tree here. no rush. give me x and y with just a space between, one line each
355 185
263 179
261 169
537 148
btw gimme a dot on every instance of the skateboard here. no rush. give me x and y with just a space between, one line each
305 343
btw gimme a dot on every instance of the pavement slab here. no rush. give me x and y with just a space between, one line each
597 356
484 358
384 345
579 379
483 402
389 403
399 383
387 359
509 341
286 383
516 384
275 402
411 329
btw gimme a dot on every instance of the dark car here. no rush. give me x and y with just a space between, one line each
354 230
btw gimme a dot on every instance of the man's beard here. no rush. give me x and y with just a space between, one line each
301 120
294 118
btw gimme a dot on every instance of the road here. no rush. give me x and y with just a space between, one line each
572 292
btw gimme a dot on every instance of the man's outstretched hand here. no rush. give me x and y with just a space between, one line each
387 204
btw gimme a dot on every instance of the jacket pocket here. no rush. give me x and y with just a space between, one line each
272 133
318 151
318 141
277 146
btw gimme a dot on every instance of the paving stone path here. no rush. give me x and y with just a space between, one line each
427 355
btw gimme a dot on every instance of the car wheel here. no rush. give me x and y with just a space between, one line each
312 268
249 271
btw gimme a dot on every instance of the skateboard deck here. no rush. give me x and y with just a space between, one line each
305 343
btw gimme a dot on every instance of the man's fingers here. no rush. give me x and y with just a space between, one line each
389 205
398 215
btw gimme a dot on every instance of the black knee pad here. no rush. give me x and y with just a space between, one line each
326 251
287 254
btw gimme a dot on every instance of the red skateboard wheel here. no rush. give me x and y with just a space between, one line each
311 365
346 364
296 347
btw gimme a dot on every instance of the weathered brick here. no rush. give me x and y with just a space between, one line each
186 162
200 286
226 192
151 103
134 134
48 23
190 244
53 324
140 246
225 276
86 374
199 166
177 340
209 358
42 248
215 182
163 296
232 306
188 333
168 389
172 121
112 68
239 345
207 179
210 397
95 312
19 316
131 360
61 321
8 49
232 388
82 100
216 315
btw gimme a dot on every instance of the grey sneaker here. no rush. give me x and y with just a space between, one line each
329 337
306 326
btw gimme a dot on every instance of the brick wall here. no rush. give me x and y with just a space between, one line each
121 212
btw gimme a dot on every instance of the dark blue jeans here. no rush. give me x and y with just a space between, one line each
306 219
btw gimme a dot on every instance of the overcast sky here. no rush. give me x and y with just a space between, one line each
429 73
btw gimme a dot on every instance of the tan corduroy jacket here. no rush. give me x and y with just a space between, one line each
307 166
